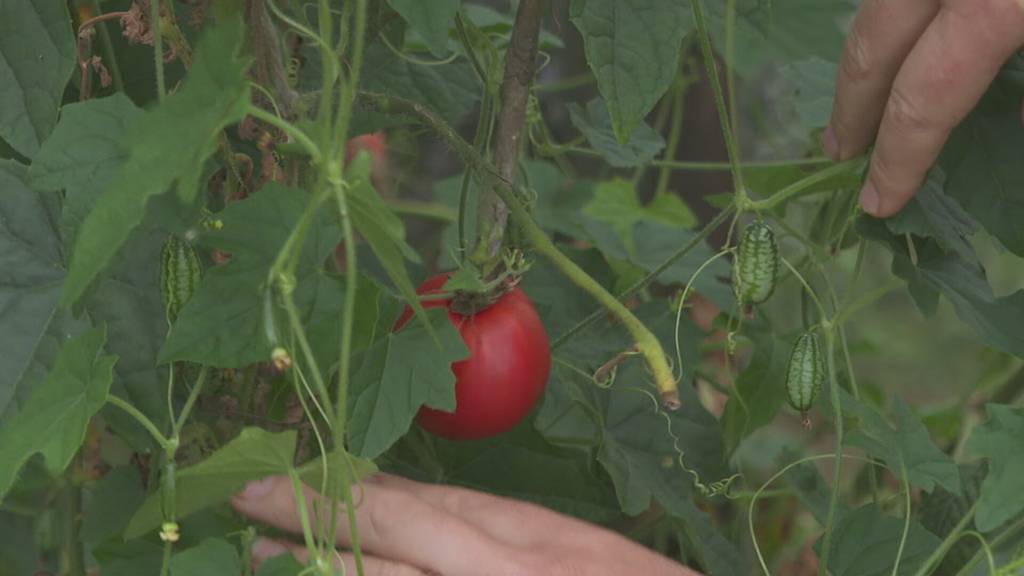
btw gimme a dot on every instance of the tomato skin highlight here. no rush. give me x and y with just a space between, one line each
505 374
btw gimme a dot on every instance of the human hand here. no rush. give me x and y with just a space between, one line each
911 71
407 529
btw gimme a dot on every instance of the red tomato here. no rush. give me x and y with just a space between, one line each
505 374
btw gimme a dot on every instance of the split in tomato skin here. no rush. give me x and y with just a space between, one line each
505 374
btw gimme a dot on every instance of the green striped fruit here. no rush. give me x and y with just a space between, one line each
180 273
805 375
756 265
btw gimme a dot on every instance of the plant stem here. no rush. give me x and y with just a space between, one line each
801 186
428 210
520 64
158 49
650 277
675 131
646 342
141 419
906 518
716 89
193 395
288 128
107 46
833 502
948 542
74 555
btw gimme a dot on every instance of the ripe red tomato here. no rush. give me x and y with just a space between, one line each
505 374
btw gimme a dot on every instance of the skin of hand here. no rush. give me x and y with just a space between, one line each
407 528
911 71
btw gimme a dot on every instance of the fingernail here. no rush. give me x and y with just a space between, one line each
265 548
869 199
830 144
257 488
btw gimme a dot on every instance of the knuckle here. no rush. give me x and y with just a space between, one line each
905 112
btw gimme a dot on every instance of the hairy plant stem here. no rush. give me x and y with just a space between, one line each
711 69
647 344
72 551
520 67
693 243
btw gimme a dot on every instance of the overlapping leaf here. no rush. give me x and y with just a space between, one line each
596 126
1001 440
168 146
431 20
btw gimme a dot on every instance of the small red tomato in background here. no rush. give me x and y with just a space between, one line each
505 374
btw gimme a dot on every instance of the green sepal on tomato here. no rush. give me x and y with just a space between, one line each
504 376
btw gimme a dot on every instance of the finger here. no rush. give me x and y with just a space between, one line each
942 79
883 33
392 524
264 549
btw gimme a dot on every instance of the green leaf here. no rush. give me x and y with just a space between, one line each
168 145
810 87
486 52
933 214
633 47
223 323
940 511
906 444
866 541
595 124
112 502
84 154
213 557
982 173
431 20
523 465
382 230
397 375
616 204
18 547
254 454
31 273
759 390
281 565
451 90
37 56
54 421
996 320
1001 440
812 490
560 200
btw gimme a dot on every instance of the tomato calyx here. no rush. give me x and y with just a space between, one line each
472 293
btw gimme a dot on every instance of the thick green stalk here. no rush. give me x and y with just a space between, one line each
801 186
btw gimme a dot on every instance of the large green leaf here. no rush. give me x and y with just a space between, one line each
933 214
451 89
84 153
223 323
37 56
633 47
112 502
254 454
865 542
54 420
1001 440
213 557
398 374
431 20
982 173
905 444
596 126
31 273
168 145
996 320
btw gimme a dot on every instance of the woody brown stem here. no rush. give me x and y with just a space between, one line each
520 66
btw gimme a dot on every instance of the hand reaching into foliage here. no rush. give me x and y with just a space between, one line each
910 73
409 528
